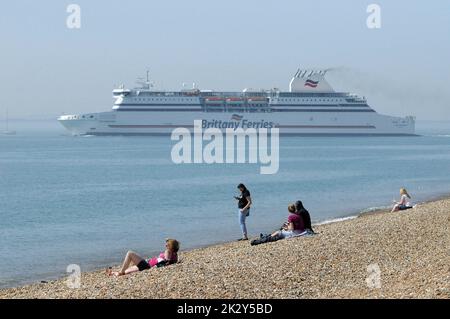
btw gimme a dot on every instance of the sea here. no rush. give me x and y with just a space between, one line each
68 200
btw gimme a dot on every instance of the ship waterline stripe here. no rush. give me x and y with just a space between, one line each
234 110
328 126
279 126
322 110
151 126
159 110
157 104
309 134
324 105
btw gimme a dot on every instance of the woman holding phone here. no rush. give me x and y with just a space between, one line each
244 203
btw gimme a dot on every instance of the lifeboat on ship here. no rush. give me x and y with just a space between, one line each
214 100
235 100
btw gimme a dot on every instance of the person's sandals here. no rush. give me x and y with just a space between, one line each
241 239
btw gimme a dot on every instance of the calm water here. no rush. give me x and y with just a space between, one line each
73 200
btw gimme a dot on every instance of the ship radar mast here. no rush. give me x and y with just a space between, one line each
147 84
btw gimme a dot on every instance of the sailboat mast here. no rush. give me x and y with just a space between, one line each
7 126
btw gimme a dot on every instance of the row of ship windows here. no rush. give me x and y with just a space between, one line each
334 119
165 99
232 107
196 100
310 100
237 110
76 117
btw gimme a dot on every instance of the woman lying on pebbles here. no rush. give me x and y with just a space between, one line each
169 256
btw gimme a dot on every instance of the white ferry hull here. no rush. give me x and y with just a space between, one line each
310 123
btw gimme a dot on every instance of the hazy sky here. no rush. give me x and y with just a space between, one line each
47 69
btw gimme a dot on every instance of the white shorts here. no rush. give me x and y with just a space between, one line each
292 233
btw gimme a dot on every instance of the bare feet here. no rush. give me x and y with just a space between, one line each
117 273
109 272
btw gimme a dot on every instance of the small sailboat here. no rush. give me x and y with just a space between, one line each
7 131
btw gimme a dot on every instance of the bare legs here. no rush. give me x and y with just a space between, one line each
276 233
400 207
131 257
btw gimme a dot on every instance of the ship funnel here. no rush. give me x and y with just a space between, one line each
310 81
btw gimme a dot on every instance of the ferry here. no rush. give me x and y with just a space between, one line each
309 107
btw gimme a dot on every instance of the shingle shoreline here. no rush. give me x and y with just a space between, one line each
383 255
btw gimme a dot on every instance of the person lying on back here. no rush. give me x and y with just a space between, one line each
134 263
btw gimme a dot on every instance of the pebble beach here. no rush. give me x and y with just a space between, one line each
377 255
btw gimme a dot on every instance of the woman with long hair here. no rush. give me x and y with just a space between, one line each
304 214
134 263
244 203
404 203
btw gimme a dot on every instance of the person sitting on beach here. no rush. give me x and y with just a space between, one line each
304 214
403 204
168 257
293 227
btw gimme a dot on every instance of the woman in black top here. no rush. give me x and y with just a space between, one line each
304 214
244 203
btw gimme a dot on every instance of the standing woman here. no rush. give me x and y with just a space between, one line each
244 203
